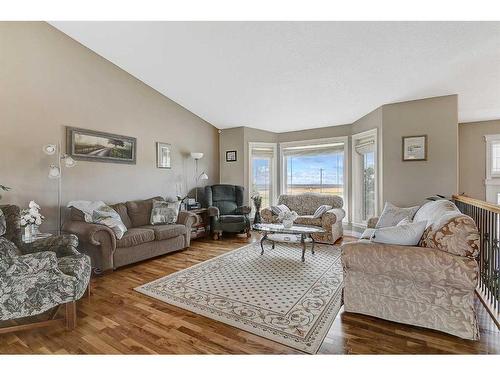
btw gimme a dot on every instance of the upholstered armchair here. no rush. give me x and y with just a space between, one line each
226 210
305 205
39 276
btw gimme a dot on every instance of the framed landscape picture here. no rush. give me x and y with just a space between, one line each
415 148
91 145
230 155
163 155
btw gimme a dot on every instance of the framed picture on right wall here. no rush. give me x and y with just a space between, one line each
415 148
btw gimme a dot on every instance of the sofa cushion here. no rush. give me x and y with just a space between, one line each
459 235
121 208
136 236
231 219
166 231
392 215
308 220
140 211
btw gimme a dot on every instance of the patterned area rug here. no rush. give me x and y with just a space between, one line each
274 295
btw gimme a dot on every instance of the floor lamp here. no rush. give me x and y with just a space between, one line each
203 176
55 172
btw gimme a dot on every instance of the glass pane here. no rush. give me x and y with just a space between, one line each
495 154
368 185
261 179
321 172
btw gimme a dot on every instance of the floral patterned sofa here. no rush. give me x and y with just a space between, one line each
38 276
430 285
305 205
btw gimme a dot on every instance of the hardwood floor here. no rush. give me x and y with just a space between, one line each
116 319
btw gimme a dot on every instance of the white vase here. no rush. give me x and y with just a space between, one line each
288 223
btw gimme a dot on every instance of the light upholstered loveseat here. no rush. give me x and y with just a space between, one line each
305 205
141 241
430 285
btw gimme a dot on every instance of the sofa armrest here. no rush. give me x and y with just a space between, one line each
419 264
90 233
372 222
63 245
267 216
29 264
186 218
213 211
332 216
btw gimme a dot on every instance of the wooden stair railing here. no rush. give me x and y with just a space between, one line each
487 218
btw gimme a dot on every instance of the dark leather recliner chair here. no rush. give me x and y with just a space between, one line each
226 210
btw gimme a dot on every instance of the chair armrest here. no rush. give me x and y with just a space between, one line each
267 216
331 217
372 222
243 210
213 211
29 264
63 245
186 218
93 234
419 264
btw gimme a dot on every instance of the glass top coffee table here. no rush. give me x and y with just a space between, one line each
303 232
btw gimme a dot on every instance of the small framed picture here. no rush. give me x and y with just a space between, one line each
163 151
415 148
231 156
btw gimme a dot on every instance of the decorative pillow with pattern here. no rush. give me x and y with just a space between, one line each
3 224
321 210
279 209
459 235
98 212
164 212
392 215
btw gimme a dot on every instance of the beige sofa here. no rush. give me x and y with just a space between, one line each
431 285
141 241
305 205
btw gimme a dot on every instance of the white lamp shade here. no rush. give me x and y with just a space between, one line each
197 155
50 149
203 176
54 172
69 162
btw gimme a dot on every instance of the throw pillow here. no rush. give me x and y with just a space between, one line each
392 215
405 234
3 224
367 234
458 235
279 209
321 210
405 221
164 212
98 212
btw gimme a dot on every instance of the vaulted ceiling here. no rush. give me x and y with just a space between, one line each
283 76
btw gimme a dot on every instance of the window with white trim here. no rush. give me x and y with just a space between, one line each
263 173
364 176
314 166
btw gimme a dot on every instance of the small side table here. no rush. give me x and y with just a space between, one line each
201 228
35 237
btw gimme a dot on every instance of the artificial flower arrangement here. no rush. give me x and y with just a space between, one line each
31 215
287 218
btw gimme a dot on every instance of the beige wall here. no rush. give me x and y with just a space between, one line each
409 183
232 140
472 156
48 81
